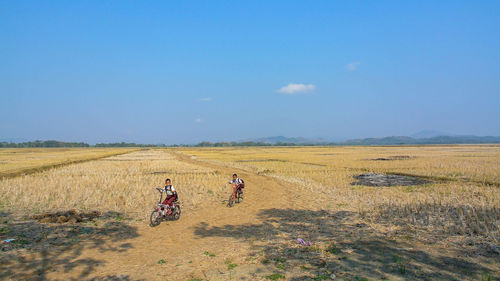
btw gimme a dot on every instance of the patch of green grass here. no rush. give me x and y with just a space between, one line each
361 279
21 242
487 277
281 266
250 258
315 249
280 263
321 277
162 261
4 230
405 237
75 240
401 268
305 268
231 266
207 253
332 249
280 260
275 276
410 188
396 259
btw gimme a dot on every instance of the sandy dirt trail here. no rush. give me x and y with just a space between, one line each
181 244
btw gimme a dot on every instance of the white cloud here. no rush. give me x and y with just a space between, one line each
205 99
291 89
198 120
352 66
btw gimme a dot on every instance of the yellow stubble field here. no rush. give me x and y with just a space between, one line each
462 196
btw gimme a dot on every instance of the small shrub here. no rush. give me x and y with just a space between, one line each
21 242
332 249
162 261
207 253
402 268
280 260
396 259
487 277
322 277
303 267
275 276
231 266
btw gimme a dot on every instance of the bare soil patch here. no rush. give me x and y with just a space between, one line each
71 216
395 157
373 179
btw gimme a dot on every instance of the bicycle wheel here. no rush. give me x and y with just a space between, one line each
239 199
154 219
177 213
230 202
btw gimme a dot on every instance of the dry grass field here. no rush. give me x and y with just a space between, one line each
445 229
16 161
462 198
122 183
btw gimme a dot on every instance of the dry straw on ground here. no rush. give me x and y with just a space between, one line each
464 197
123 183
17 161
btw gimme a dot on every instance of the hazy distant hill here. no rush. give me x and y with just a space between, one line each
434 140
393 140
282 139
429 134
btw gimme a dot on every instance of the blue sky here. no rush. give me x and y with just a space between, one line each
188 71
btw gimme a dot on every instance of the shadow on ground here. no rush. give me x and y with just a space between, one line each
342 245
40 249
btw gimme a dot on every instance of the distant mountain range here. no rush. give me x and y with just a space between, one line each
429 134
281 139
401 140
424 137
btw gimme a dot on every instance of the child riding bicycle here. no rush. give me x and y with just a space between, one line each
237 184
171 195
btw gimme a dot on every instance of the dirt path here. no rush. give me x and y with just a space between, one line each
247 242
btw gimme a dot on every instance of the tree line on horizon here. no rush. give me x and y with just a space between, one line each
356 142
